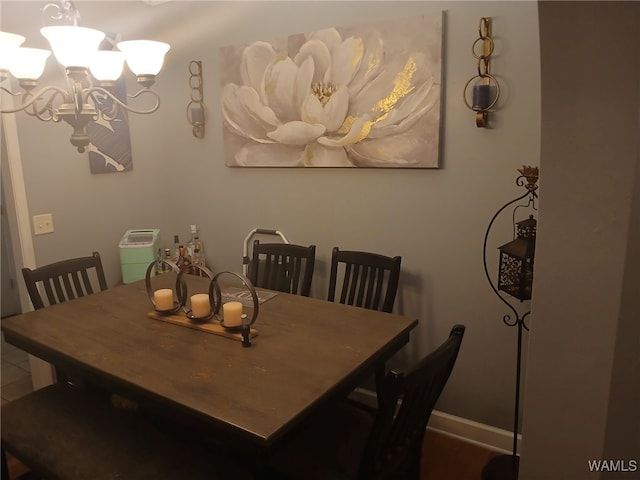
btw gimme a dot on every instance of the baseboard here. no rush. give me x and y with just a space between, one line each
480 434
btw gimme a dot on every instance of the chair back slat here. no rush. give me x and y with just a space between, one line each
364 279
53 290
406 402
88 290
65 280
67 286
284 267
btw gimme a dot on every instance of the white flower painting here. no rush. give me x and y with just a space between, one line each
364 96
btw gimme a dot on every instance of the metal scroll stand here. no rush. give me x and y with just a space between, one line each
516 278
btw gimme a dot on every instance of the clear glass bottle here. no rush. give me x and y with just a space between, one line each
176 248
198 253
184 260
167 256
159 264
191 243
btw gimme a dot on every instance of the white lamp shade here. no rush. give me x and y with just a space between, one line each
73 46
9 43
28 63
144 57
106 65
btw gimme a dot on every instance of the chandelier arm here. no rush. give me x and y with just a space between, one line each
41 95
63 9
4 89
507 318
102 91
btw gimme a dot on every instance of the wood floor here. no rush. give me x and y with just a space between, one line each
448 458
444 458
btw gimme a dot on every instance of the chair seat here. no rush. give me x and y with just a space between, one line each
327 447
63 432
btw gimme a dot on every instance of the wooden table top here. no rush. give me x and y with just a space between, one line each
307 351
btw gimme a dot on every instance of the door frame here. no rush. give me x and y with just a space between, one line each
17 209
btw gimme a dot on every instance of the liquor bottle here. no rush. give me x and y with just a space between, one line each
176 249
194 248
198 254
159 265
163 267
198 250
184 260
191 243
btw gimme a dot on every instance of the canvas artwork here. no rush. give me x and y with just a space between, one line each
358 96
110 147
110 141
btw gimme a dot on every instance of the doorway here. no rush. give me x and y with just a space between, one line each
10 299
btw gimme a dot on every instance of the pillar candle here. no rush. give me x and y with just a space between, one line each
197 115
200 306
232 313
163 298
481 96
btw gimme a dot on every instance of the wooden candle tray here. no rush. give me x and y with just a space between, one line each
211 326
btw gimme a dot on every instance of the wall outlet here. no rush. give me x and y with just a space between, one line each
43 224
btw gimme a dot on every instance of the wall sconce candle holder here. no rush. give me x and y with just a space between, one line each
515 278
195 108
486 88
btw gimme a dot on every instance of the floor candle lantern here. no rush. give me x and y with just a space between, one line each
515 278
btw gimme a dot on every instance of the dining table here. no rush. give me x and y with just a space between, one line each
303 353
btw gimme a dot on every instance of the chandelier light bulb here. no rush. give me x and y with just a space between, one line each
73 46
106 65
144 57
28 63
9 43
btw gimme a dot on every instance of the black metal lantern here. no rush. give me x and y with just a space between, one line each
515 275
515 278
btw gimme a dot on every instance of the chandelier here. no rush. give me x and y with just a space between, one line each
91 73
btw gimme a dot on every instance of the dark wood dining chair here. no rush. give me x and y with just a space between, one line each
65 280
364 279
347 442
285 267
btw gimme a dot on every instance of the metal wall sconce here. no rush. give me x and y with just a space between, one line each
515 278
195 108
486 89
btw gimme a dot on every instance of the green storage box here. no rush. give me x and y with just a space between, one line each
138 248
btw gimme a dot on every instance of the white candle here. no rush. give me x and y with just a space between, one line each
163 298
232 313
200 306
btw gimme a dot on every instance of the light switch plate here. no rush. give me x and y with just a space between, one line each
43 224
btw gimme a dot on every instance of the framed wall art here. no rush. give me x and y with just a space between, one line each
360 96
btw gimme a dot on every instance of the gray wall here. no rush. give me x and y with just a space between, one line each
435 219
583 381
